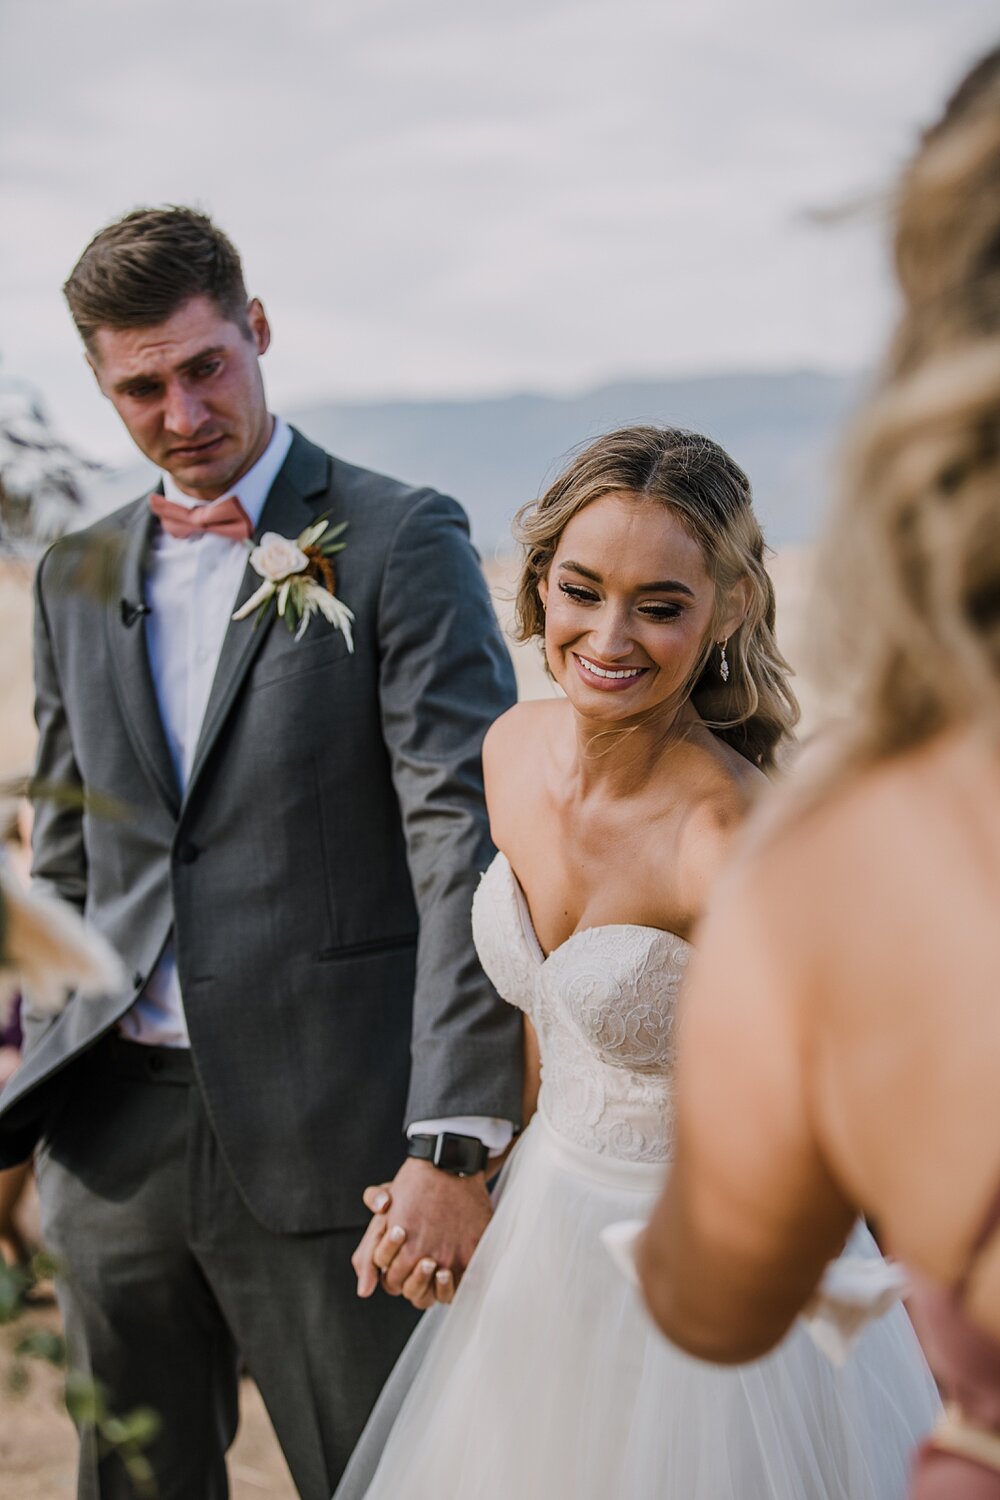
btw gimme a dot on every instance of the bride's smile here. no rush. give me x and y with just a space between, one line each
608 679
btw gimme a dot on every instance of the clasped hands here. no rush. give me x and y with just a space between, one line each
425 1225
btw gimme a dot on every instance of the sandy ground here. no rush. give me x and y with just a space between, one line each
37 1442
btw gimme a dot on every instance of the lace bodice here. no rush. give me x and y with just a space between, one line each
603 1006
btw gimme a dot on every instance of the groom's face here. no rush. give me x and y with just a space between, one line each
190 392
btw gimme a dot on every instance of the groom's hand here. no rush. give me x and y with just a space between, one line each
425 1285
436 1220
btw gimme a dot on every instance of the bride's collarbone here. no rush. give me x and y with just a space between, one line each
563 902
601 863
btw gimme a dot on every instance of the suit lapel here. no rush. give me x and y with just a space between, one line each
288 511
130 663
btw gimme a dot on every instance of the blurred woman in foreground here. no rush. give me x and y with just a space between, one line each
840 1047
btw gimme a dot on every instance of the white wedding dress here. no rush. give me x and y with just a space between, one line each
545 1379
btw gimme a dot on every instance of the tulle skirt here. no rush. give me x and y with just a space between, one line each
545 1379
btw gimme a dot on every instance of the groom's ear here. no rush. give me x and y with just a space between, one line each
258 326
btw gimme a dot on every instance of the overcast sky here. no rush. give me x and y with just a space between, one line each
444 197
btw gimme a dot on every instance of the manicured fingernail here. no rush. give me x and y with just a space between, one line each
442 1278
427 1266
397 1234
380 1201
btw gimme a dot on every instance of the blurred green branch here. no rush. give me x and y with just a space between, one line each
86 1400
71 797
91 566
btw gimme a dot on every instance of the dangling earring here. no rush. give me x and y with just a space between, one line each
723 664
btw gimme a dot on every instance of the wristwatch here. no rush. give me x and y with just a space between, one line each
460 1155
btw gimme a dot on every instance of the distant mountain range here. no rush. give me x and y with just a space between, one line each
494 454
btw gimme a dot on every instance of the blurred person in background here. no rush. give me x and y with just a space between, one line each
840 1045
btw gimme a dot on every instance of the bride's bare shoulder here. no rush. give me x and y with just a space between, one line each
715 809
720 785
525 724
517 747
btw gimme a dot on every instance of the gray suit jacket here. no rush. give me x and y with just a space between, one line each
319 869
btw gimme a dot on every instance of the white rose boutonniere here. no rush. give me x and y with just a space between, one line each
276 558
299 580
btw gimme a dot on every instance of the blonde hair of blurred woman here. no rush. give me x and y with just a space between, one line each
910 572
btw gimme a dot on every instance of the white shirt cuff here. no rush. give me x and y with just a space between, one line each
496 1135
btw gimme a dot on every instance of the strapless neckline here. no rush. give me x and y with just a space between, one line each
602 1005
531 936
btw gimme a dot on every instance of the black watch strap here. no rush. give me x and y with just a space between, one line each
460 1155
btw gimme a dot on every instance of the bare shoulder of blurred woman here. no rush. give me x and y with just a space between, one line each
886 867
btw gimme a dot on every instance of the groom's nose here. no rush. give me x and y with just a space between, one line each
184 413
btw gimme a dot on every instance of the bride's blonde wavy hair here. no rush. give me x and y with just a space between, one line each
910 570
697 480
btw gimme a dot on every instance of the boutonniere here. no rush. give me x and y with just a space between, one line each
298 579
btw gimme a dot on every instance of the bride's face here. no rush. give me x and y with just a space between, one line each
628 606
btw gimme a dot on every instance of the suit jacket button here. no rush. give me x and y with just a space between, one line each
187 852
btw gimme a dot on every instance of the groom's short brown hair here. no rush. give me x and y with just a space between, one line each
139 270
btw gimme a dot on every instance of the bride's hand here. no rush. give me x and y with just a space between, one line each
378 1199
426 1283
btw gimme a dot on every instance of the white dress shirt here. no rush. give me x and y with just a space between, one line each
191 590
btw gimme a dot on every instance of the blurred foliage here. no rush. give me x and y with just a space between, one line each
35 790
91 566
43 481
128 1437
86 1399
43 495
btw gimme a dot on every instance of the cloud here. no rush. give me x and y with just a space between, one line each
446 198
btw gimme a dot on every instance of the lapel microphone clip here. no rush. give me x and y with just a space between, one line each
131 612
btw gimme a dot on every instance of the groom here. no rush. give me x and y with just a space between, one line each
287 872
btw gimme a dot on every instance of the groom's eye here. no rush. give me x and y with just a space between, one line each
575 591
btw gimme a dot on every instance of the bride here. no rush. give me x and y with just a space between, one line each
613 808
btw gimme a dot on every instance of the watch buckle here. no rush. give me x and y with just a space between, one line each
440 1146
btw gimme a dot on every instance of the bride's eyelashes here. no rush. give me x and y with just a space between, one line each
662 611
652 610
581 595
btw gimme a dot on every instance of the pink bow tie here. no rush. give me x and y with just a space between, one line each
218 518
